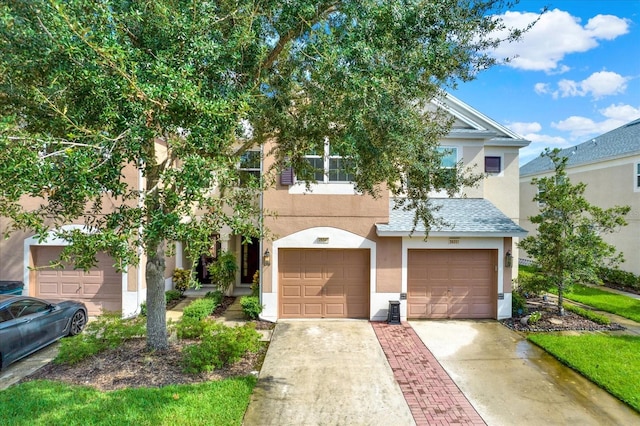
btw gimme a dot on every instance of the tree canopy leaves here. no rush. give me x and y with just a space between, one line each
568 246
176 90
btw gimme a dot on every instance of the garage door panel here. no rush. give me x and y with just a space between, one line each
100 289
459 284
312 309
335 283
291 291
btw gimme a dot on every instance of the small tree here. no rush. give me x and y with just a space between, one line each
568 246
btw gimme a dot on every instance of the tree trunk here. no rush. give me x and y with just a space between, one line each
561 300
157 338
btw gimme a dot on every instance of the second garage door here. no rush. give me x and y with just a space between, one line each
452 284
324 283
100 288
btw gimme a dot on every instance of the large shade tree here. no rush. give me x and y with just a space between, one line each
568 246
179 90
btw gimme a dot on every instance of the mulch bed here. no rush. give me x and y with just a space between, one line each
551 321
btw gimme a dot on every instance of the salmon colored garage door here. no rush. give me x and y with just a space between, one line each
324 283
452 284
100 288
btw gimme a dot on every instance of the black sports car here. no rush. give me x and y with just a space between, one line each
28 324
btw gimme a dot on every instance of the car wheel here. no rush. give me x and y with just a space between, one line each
78 321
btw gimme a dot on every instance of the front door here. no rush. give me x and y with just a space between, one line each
249 260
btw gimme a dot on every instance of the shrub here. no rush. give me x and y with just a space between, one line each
255 284
251 306
172 295
223 270
619 277
595 317
518 304
217 296
108 331
192 328
143 309
220 346
534 317
181 280
531 283
199 308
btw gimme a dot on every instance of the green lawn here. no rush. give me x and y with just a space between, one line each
52 403
606 301
613 362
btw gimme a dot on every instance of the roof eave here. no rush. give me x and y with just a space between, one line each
452 234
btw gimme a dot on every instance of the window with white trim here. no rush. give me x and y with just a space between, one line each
492 164
249 169
329 167
637 177
450 158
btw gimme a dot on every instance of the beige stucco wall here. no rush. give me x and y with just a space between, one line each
608 184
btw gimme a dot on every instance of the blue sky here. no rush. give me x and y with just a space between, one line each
576 74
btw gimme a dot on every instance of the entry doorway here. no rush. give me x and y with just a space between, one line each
249 259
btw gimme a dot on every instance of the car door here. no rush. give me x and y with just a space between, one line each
10 337
39 323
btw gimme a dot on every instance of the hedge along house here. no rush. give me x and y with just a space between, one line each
339 254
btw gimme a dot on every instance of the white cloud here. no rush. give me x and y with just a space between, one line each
522 128
554 36
542 88
598 85
614 117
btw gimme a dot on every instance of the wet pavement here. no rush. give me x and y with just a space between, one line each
510 381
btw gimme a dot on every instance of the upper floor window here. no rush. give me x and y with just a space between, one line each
637 177
449 159
492 164
329 166
249 167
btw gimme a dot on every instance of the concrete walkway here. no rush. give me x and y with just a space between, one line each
325 372
510 381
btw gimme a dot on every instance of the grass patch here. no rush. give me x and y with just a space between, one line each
617 304
590 315
52 403
613 362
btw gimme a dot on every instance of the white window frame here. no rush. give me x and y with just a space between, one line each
255 171
326 163
498 173
454 152
636 177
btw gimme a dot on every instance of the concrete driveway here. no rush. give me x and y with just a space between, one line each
326 373
510 381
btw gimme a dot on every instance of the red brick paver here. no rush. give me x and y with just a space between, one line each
434 399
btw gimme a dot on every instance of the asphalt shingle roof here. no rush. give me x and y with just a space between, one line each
464 216
620 142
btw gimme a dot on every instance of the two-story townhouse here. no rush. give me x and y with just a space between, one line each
339 254
610 167
333 253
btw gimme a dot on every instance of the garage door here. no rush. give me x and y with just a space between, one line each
323 283
452 284
100 288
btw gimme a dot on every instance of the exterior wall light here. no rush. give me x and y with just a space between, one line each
266 258
508 259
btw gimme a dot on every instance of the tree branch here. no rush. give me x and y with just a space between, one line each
322 10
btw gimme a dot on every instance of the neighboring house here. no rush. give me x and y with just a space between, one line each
610 167
337 254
